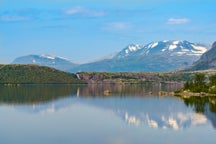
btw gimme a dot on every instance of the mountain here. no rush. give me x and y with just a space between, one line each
46 60
169 48
34 74
206 61
158 56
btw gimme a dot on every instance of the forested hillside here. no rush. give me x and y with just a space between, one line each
34 74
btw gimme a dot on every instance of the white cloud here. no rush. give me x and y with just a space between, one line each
7 18
175 21
117 26
75 10
132 119
198 119
84 11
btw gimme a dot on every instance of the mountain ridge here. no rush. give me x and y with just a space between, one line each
159 56
46 60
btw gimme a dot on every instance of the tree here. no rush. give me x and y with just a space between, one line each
212 80
199 83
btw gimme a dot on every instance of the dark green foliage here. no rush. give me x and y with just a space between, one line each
212 80
198 84
133 77
188 84
199 79
201 104
34 74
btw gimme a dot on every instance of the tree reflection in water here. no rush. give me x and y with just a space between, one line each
130 108
204 105
25 94
30 94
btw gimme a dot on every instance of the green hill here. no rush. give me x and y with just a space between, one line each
34 74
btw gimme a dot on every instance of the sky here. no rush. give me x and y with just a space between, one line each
88 30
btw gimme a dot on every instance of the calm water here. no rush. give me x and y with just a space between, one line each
104 114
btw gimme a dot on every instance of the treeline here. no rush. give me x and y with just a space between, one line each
134 77
201 83
34 74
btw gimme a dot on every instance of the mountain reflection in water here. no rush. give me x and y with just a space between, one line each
135 104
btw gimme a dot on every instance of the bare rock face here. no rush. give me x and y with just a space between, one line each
214 44
206 61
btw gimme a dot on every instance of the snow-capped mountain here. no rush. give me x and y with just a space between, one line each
129 50
172 48
46 60
160 56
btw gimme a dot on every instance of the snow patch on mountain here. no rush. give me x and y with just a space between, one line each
46 60
200 49
172 47
128 50
51 57
47 56
133 47
176 42
168 47
153 45
34 61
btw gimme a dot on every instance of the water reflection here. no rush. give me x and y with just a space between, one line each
31 94
146 89
155 112
139 105
203 105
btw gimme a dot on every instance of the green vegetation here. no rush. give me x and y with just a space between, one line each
134 77
201 84
34 74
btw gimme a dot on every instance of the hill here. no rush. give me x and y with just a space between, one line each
206 61
56 62
34 74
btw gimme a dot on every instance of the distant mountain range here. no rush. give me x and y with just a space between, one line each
46 60
158 56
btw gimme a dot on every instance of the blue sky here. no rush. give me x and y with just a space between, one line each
86 30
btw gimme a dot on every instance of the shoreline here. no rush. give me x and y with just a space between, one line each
191 94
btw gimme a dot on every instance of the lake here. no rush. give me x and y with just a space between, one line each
104 114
